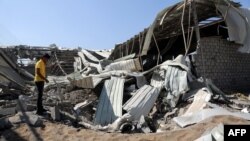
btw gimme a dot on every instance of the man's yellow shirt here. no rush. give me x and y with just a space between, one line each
41 65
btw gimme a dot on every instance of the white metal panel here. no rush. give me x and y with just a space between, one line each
142 101
110 103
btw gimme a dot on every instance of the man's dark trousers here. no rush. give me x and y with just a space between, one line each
40 86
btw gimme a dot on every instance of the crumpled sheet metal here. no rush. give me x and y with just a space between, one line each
176 79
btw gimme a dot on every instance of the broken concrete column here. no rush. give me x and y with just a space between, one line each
55 113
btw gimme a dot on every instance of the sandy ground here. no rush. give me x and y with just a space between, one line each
60 132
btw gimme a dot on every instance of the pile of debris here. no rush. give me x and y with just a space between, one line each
130 90
121 98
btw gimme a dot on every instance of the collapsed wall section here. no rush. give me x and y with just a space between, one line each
219 60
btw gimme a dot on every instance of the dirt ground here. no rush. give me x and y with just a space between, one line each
60 132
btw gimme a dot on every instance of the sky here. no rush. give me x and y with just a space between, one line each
91 24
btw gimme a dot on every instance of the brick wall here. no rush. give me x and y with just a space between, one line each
228 68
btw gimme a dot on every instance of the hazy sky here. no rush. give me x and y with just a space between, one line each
92 24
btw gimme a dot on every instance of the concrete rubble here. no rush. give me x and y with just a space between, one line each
135 92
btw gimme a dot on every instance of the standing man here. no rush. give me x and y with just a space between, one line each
40 78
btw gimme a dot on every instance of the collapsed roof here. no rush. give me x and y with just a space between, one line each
170 23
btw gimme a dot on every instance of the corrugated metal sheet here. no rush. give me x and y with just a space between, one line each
110 103
131 65
142 101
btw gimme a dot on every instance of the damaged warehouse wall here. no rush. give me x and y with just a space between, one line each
223 63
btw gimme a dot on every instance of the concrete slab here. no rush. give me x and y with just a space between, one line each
7 111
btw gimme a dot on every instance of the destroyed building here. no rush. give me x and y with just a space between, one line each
216 41
176 70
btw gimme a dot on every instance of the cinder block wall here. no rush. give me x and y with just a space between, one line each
228 68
